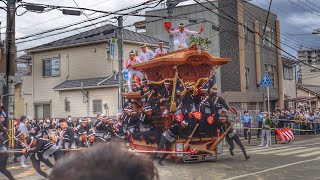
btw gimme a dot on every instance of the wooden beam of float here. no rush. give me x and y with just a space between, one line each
191 65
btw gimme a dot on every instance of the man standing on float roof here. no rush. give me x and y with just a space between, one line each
146 54
180 36
160 50
131 61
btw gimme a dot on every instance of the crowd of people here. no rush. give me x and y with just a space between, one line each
301 121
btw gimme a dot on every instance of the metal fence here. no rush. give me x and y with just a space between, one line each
298 127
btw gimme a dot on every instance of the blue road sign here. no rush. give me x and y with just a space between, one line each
265 81
125 75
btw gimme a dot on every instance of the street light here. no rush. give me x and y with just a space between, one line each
316 31
71 12
34 8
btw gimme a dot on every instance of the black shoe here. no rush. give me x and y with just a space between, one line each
160 163
231 153
15 160
247 157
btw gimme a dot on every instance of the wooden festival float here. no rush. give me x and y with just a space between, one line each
191 66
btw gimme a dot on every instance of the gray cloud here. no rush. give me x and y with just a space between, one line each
296 19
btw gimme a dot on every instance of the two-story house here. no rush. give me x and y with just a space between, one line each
76 76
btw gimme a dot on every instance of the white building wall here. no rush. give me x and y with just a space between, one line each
26 93
75 63
78 108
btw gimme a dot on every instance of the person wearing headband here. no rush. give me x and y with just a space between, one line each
44 147
160 50
231 136
93 140
67 135
20 144
145 86
218 104
146 54
181 35
83 125
131 61
169 137
165 95
106 128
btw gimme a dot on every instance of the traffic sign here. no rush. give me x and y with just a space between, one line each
113 41
265 81
125 75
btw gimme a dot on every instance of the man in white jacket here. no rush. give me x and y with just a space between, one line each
180 36
146 54
132 60
161 50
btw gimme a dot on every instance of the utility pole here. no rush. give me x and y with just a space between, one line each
8 99
120 59
170 7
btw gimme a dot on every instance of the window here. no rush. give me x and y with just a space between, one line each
67 106
287 73
271 70
247 77
97 106
245 31
51 67
269 37
42 111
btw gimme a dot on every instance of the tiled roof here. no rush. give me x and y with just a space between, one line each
98 34
87 83
313 89
288 61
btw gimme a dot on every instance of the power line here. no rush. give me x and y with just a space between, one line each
309 6
277 10
282 34
291 41
56 18
81 22
252 31
303 8
93 24
84 13
313 4
87 26
265 26
51 7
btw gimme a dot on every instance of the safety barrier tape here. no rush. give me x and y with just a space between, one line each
239 127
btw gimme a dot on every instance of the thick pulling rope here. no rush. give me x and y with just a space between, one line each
163 152
130 150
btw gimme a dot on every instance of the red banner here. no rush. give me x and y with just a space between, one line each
284 134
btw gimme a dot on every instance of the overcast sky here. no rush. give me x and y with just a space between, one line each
297 18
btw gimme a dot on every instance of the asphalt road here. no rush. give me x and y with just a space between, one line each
299 159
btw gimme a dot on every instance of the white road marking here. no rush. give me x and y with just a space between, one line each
304 141
274 168
278 151
270 149
309 154
298 151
